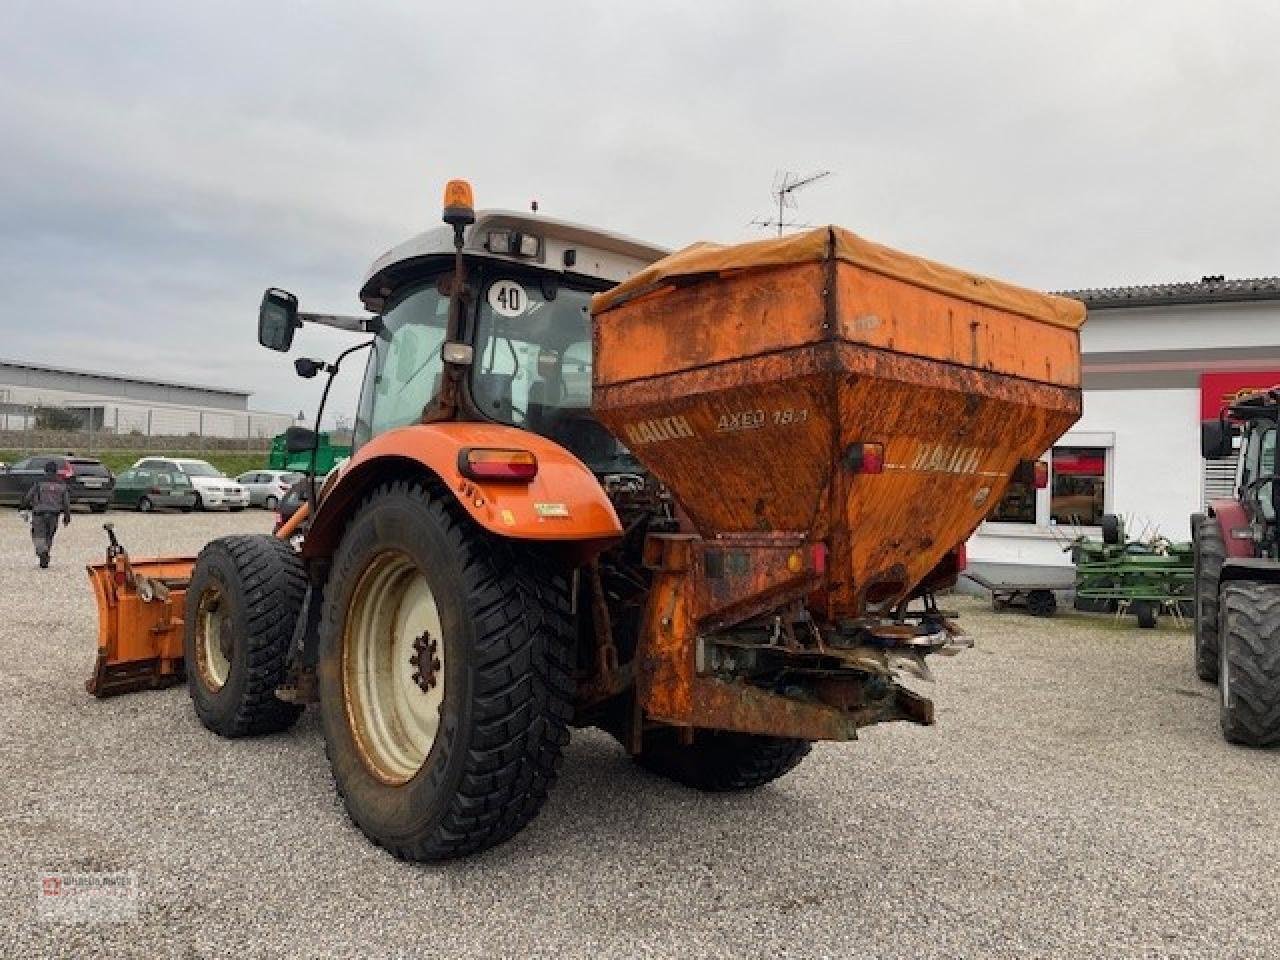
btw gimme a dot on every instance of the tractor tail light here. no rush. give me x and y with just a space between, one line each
819 558
480 463
864 457
1041 474
962 557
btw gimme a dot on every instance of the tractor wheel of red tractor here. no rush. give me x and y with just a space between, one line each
445 676
720 761
1210 552
1249 663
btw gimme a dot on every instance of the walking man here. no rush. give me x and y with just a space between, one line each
46 499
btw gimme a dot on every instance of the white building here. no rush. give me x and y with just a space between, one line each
122 404
1157 360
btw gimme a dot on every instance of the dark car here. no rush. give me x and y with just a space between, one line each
88 481
148 490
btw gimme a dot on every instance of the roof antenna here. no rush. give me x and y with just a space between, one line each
785 184
534 206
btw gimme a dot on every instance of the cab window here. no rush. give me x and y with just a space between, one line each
405 370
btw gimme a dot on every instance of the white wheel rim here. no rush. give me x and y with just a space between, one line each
213 638
393 667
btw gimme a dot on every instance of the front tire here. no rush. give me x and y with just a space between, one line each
199 504
1210 552
244 598
98 507
444 673
1249 663
720 761
271 502
145 505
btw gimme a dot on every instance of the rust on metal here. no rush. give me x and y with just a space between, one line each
744 389
140 609
773 375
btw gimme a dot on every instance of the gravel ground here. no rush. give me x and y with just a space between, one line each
1075 799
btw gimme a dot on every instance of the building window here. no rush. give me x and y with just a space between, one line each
1078 491
1018 505
1076 497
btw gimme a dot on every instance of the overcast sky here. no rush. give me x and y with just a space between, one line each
164 162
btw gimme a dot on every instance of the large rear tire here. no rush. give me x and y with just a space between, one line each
242 603
445 676
1210 552
721 761
1249 663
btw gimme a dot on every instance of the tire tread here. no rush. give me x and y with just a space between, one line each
1250 635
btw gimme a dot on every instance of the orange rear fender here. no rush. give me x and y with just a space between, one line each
563 503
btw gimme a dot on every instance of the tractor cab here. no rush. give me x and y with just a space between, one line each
489 321
1253 420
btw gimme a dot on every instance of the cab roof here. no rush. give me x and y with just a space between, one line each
567 248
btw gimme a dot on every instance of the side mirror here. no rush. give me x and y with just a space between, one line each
277 319
299 440
307 368
1215 439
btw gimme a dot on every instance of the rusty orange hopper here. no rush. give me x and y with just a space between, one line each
835 418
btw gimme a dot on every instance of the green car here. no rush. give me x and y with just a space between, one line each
149 490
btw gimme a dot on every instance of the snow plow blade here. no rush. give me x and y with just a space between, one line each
140 605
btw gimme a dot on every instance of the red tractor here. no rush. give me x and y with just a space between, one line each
1237 574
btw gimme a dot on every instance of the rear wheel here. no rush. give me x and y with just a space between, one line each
720 761
1210 551
145 505
1249 663
444 671
243 601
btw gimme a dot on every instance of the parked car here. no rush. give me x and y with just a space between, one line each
267 488
148 490
213 487
88 481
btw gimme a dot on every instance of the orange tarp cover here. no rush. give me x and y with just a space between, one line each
825 242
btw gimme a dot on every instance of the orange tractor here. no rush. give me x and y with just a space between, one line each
702 501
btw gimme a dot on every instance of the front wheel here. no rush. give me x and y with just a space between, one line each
720 761
98 507
199 504
244 598
1210 553
271 502
444 673
1249 663
145 505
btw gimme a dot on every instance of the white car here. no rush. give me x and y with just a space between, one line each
268 487
213 487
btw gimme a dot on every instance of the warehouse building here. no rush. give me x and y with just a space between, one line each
31 393
1156 361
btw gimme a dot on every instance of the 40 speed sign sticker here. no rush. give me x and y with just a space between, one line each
508 299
